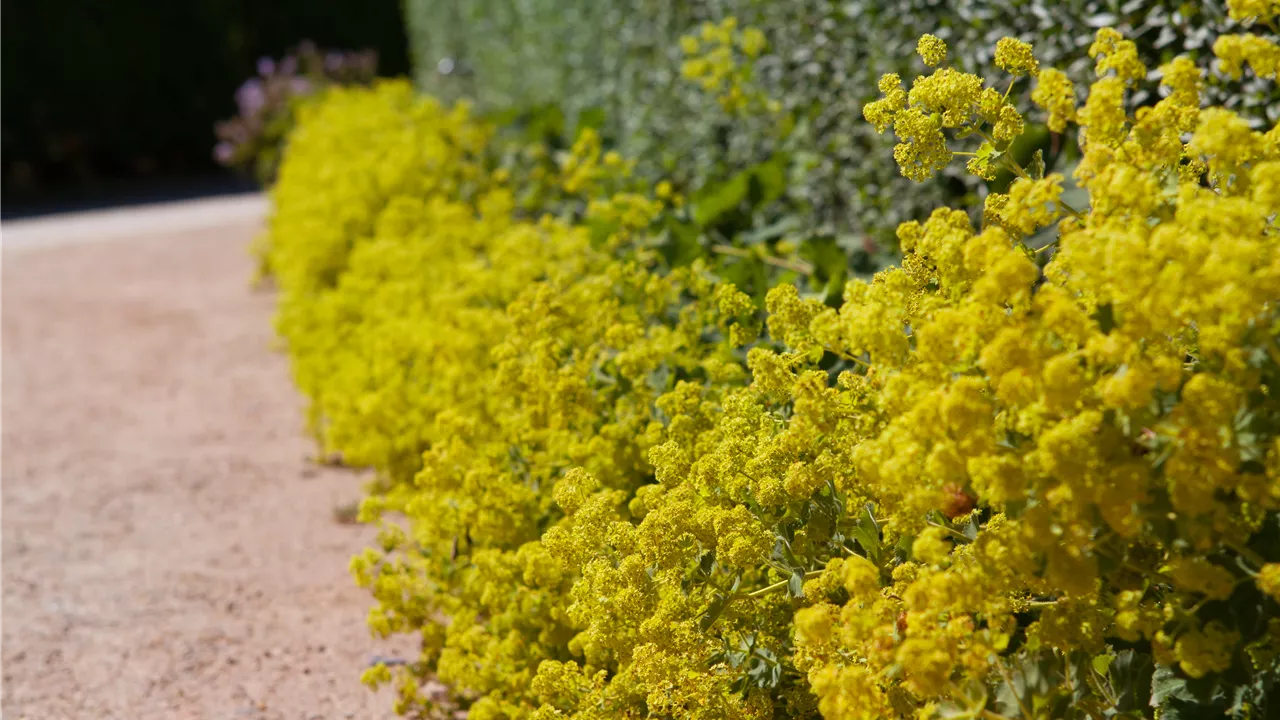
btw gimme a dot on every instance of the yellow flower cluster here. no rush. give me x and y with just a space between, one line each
932 50
720 59
1251 11
949 99
1014 57
1104 407
408 304
995 481
1260 53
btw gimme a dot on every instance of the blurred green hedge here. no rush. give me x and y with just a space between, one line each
617 65
97 92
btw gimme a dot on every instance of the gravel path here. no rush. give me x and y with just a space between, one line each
168 551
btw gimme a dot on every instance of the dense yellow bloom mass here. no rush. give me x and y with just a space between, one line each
995 481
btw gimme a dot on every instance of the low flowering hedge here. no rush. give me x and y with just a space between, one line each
1031 471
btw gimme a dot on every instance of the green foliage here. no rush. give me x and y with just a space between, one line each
821 66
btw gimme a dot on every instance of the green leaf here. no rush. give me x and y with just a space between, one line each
714 201
795 584
1130 674
680 242
772 231
987 153
757 185
782 553
867 534
660 377
1101 663
1035 168
717 607
1105 317
1030 677
828 258
765 671
987 156
593 118
718 604
1174 694
772 177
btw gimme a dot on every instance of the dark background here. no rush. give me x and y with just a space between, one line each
113 102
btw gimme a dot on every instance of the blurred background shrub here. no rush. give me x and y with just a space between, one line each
617 65
106 101
267 103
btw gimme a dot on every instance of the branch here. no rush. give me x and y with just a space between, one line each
799 266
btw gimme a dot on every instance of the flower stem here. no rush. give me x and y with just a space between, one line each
799 266
1020 172
780 583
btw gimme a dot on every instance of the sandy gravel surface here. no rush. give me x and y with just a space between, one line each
168 551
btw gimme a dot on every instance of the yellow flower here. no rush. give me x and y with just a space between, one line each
1206 650
1268 580
1114 53
931 546
927 664
1014 56
1201 576
1032 204
1055 93
753 42
1247 11
923 150
1009 125
813 625
948 92
1103 116
1225 140
932 50
1236 51
880 113
861 578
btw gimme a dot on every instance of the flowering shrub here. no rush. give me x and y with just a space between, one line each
821 61
267 104
360 153
1031 472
